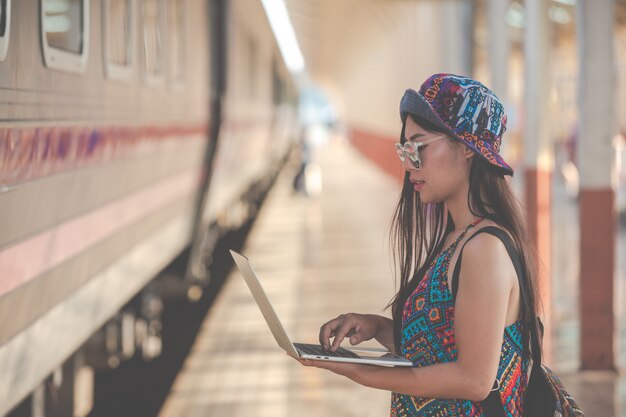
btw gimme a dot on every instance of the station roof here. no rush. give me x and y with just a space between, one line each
329 30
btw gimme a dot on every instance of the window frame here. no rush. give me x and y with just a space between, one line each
4 40
177 83
111 69
155 80
58 59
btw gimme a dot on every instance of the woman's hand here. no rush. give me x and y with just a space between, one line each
358 327
349 370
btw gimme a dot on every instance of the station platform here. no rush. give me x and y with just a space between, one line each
320 256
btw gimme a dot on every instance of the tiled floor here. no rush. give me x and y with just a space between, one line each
319 257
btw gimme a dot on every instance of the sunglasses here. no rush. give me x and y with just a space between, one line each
411 150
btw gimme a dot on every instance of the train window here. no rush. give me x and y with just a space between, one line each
5 27
118 36
65 34
153 21
177 41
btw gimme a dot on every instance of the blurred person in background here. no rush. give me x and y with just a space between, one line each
304 156
308 179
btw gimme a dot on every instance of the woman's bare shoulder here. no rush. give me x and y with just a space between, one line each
486 249
483 252
487 252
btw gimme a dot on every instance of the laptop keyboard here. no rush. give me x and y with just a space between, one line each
318 351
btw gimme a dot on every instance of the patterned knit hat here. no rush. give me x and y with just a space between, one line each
465 109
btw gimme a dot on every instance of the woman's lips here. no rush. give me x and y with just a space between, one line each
417 185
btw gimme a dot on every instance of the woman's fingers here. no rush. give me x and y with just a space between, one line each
346 328
355 337
328 330
349 325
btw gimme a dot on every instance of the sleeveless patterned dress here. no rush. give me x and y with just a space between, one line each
428 339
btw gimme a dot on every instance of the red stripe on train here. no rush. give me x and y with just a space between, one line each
27 153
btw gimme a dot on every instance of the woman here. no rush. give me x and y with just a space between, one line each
470 345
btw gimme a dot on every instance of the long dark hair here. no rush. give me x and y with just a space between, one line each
419 230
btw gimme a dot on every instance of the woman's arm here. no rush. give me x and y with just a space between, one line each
484 288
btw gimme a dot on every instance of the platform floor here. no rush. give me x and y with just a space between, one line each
319 257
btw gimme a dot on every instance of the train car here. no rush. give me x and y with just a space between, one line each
130 132
259 124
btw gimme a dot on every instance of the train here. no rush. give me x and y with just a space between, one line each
131 132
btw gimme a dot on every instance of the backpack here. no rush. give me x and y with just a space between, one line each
545 395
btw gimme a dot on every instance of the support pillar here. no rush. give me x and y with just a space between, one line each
452 37
598 337
467 34
538 153
498 48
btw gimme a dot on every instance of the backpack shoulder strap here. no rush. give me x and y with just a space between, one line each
508 244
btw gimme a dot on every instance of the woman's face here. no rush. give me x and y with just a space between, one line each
445 165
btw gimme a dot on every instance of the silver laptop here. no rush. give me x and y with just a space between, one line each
371 356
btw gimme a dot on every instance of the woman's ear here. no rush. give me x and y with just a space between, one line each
467 152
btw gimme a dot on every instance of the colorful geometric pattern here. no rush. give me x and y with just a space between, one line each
464 107
565 405
428 338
